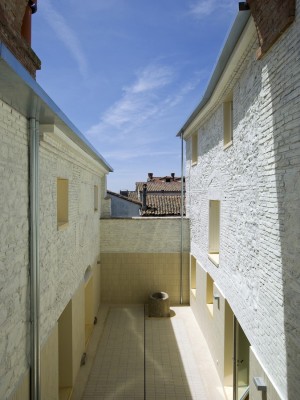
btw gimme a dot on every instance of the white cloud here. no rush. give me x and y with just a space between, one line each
131 153
203 8
65 34
146 99
152 77
139 102
193 83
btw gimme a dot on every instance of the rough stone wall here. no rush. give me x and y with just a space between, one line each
14 290
11 18
257 180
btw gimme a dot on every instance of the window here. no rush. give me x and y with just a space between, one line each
193 275
195 148
96 201
62 202
214 231
210 293
228 122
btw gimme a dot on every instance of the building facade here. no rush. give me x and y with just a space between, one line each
242 198
52 197
123 206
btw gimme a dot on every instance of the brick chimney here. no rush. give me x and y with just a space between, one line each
15 31
150 176
272 18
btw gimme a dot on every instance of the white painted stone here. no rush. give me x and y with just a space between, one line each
63 259
257 180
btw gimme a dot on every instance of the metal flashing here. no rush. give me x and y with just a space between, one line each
23 93
230 42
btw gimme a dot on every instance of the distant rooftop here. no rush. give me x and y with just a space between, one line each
163 205
156 184
163 195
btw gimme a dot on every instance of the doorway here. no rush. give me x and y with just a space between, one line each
240 363
89 309
65 354
236 358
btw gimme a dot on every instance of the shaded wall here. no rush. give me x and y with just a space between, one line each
142 255
124 208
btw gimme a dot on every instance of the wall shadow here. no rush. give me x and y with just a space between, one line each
146 358
284 78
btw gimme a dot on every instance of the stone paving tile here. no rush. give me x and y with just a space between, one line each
167 360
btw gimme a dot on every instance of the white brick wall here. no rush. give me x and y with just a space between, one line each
64 255
258 182
14 295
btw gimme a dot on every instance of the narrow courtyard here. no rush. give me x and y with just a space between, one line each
132 356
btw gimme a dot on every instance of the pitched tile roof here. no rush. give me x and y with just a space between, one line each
163 196
133 199
159 186
163 205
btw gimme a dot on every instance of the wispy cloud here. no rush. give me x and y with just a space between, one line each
137 152
152 77
203 8
65 34
148 97
139 102
190 85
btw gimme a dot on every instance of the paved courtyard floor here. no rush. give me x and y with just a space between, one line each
134 357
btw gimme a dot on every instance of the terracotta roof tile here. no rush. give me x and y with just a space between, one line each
159 186
133 199
163 205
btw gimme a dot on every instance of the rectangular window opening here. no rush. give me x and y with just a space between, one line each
228 121
62 202
210 294
193 275
214 231
96 200
195 148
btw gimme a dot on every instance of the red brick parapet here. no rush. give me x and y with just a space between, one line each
272 18
11 21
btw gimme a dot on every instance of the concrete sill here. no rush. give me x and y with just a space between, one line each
214 258
227 145
61 226
210 308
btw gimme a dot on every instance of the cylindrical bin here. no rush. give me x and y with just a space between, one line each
159 305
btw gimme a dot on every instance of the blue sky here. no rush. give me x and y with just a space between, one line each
128 73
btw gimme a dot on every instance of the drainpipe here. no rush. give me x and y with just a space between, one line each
181 225
34 259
